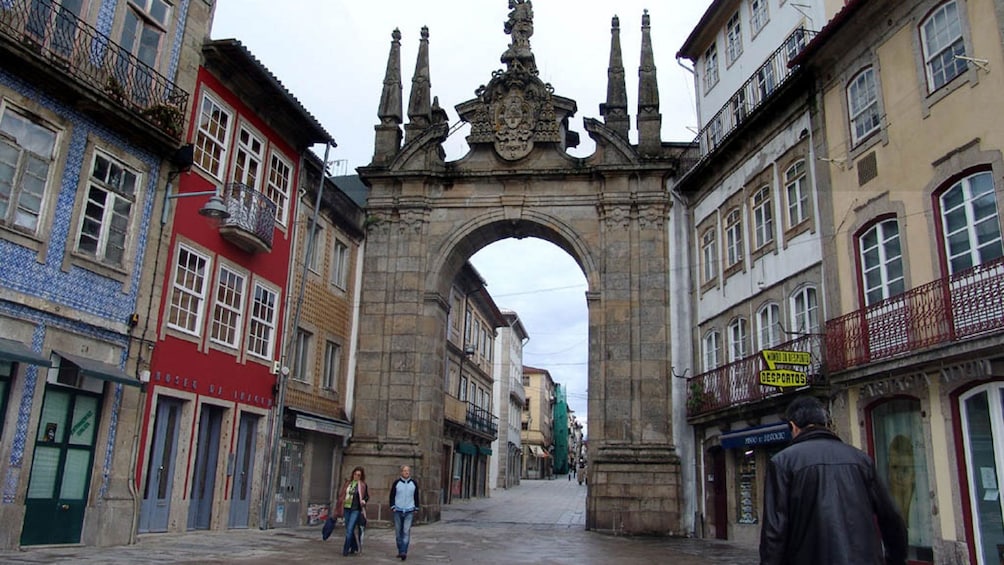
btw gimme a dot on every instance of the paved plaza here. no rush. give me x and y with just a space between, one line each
538 522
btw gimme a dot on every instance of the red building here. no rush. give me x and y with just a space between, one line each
225 260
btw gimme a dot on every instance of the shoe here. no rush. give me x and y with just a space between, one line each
403 557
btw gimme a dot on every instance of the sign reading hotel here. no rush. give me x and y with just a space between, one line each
773 376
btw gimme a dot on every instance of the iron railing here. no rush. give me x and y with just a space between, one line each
959 307
750 96
738 383
80 51
250 211
482 420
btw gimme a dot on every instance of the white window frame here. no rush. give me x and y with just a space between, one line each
733 38
768 325
189 288
974 252
340 265
228 306
278 183
796 193
863 106
943 44
735 249
759 15
709 255
104 200
881 255
805 310
148 17
712 354
302 344
249 157
313 247
264 313
212 136
763 217
738 332
332 365
711 67
19 212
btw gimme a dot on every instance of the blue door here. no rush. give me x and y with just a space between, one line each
240 499
200 509
156 507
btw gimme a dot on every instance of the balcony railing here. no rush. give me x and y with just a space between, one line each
965 305
738 383
251 224
481 420
78 50
750 96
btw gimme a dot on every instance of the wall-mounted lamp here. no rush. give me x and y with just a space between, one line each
214 208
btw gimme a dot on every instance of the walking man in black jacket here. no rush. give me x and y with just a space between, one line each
824 503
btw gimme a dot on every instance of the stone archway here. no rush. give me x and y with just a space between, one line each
608 211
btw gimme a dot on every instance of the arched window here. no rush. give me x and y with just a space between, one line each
970 222
862 105
763 218
768 326
734 248
982 412
797 192
737 339
712 346
805 311
881 258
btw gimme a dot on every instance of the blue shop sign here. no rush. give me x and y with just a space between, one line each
757 435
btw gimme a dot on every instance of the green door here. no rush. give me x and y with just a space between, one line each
61 467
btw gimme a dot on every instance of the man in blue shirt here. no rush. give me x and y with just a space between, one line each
404 503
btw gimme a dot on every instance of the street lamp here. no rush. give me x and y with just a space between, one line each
214 208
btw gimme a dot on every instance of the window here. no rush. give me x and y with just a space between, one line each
746 481
27 150
280 175
715 132
768 326
941 38
758 15
862 104
340 266
261 333
805 311
733 38
797 193
970 222
467 328
462 391
739 107
711 67
983 438
881 262
107 213
712 350
485 343
247 163
796 42
734 237
709 255
314 247
901 463
332 365
766 80
212 137
55 21
301 355
228 312
763 218
188 291
143 28
737 339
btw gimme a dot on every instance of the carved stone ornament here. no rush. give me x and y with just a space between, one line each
515 117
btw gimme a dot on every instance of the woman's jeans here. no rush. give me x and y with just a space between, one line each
351 517
402 530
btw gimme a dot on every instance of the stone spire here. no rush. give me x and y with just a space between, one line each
649 118
614 111
388 131
420 102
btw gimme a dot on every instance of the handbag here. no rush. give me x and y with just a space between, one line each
329 526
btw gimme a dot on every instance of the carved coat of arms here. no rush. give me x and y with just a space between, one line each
514 123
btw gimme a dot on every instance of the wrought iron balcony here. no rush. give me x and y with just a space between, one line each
751 95
70 50
251 225
482 421
738 383
961 307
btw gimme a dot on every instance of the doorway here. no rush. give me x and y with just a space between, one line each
240 500
200 509
156 507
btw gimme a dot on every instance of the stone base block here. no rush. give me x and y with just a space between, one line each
635 491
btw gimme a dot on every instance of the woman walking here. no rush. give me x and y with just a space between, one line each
352 506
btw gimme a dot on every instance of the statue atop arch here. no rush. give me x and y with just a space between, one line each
520 27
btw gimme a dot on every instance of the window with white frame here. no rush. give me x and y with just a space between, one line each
332 365
340 266
143 29
758 15
733 38
738 336
797 193
710 67
107 212
188 291
212 138
709 255
739 106
462 390
862 105
248 158
485 342
768 325
715 132
228 309
763 218
27 152
280 178
943 44
712 350
735 250
881 262
314 246
766 80
264 311
301 355
805 311
970 222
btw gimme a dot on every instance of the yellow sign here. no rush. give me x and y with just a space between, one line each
773 356
783 377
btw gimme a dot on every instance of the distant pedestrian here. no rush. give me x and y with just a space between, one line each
352 506
404 504
823 501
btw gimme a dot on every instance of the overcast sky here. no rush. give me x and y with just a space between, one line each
332 55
